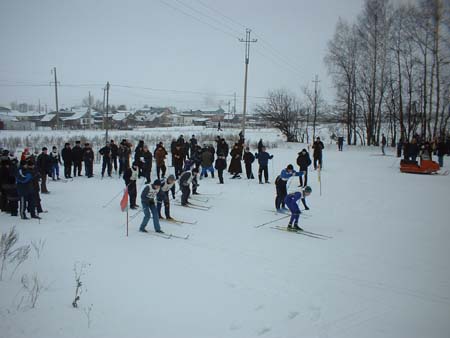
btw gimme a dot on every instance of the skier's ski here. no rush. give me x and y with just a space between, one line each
190 206
176 221
299 232
198 199
273 221
199 206
179 237
303 214
157 234
212 194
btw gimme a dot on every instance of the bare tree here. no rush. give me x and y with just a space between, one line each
282 110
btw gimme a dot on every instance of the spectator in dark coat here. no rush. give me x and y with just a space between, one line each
106 162
442 150
263 161
260 145
77 157
178 160
221 165
340 143
44 167
146 164
236 157
207 163
249 158
67 158
317 154
303 161
88 158
124 153
114 154
160 159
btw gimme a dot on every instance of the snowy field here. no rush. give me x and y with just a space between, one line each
384 273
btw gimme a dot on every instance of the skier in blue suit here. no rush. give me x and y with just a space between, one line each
291 201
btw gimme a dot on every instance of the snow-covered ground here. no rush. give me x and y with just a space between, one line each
384 273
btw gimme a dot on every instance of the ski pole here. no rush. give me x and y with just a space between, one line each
275 220
112 199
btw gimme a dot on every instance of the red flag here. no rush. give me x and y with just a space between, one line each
124 200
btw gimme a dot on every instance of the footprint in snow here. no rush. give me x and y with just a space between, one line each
259 307
293 314
264 331
235 327
316 313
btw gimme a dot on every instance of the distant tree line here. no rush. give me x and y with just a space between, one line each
391 67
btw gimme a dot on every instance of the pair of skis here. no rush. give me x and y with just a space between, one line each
166 235
194 206
302 232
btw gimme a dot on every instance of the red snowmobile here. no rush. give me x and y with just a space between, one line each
425 167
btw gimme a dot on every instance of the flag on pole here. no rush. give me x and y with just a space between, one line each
124 200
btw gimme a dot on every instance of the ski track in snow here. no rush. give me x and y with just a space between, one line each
383 274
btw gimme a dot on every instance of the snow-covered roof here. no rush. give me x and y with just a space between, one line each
48 117
7 117
79 114
200 120
120 116
16 113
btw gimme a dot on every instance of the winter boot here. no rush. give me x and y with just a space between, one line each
289 227
297 228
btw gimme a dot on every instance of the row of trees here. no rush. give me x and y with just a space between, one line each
392 68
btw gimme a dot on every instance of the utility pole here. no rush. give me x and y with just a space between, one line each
316 81
103 106
247 42
89 111
107 106
39 107
56 97
234 107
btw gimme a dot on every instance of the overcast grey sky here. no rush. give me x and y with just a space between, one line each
162 44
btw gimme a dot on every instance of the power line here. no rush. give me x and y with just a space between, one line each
196 18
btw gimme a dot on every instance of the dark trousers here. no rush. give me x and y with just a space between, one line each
77 168
263 169
132 192
67 169
89 168
161 170
27 203
163 198
220 174
146 173
340 145
44 183
13 206
123 164
318 159
178 170
114 162
185 192
106 164
304 177
248 170
281 195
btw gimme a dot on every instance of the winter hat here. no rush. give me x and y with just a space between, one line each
307 189
44 148
290 167
171 177
157 183
54 148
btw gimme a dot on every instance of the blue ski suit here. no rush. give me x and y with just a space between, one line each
291 202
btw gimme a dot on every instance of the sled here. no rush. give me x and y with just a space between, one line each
413 167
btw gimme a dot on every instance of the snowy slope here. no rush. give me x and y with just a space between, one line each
383 274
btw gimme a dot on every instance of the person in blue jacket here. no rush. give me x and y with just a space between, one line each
292 203
263 161
25 189
280 184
